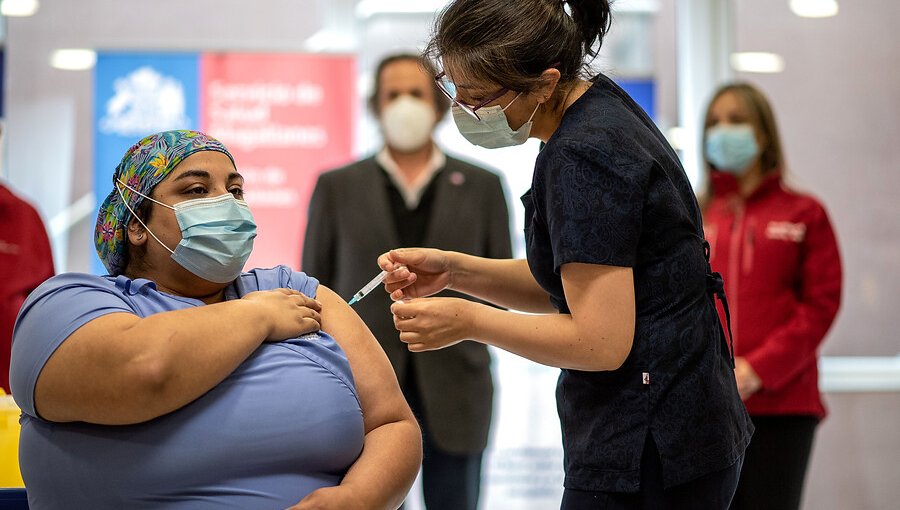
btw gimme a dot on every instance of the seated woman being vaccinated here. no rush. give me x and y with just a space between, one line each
178 381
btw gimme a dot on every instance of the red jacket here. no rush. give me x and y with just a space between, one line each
779 258
25 262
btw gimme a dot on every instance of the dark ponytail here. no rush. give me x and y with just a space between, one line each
593 20
511 42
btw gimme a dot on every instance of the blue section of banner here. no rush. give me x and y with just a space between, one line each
135 95
642 91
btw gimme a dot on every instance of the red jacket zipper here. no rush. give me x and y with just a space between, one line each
735 242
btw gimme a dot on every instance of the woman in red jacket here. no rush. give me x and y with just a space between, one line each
777 253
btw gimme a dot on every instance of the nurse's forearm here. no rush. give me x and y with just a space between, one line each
503 282
555 340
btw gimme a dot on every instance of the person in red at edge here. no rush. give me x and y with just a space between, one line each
777 252
25 262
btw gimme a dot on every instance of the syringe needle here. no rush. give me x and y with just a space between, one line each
367 288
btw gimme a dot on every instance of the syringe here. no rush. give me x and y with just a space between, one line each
367 288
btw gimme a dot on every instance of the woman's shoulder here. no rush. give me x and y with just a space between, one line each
86 279
73 282
797 193
604 105
605 118
800 201
278 277
75 294
598 157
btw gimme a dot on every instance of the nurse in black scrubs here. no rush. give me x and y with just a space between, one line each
617 277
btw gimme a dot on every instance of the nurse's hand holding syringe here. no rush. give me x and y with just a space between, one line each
369 287
417 272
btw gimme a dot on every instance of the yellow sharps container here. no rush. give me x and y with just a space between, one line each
9 442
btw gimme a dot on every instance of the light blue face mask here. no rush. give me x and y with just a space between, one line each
731 148
492 131
216 235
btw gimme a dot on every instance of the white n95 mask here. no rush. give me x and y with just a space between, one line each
216 235
407 123
492 131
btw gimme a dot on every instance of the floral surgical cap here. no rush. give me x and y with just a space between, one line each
145 164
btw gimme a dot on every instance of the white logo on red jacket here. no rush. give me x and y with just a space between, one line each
9 248
786 231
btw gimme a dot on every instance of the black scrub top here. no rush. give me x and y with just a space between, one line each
609 190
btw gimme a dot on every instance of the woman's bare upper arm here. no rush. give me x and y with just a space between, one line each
83 375
379 393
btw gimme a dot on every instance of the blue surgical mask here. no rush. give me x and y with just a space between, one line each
731 148
216 235
492 131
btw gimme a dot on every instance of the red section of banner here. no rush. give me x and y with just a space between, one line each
285 118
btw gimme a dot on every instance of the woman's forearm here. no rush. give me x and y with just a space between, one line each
121 369
503 282
385 470
199 348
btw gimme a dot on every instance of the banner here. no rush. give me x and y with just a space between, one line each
284 117
136 95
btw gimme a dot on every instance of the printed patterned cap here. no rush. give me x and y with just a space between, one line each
145 164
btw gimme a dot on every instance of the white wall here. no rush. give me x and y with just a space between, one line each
838 108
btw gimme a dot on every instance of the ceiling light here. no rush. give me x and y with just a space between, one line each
369 8
329 41
73 59
638 6
18 7
814 8
757 62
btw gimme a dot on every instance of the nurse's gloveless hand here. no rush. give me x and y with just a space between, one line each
428 324
416 272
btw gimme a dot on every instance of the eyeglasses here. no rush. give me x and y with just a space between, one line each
449 89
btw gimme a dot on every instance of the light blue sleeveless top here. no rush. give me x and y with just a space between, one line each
286 422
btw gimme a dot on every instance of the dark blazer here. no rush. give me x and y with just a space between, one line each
351 224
